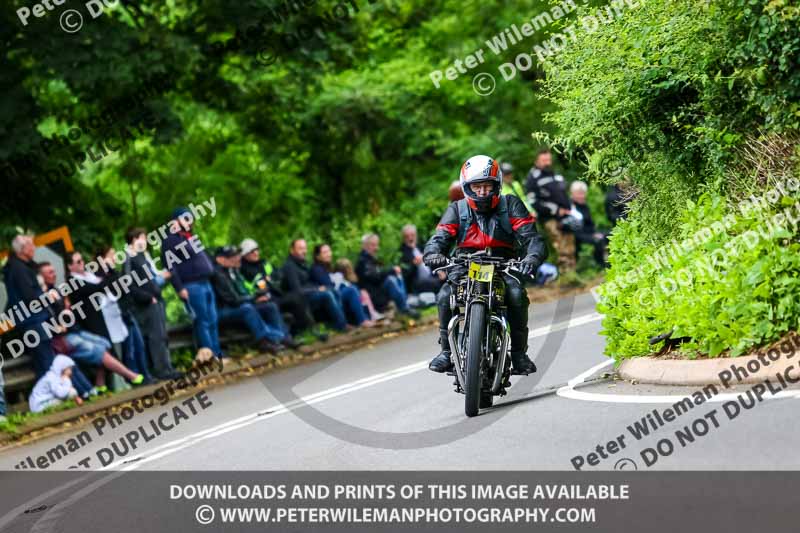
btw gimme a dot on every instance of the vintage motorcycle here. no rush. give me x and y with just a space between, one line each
479 332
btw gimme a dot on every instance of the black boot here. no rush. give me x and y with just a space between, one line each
442 363
521 364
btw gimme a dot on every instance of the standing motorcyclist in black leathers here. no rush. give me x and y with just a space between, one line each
485 219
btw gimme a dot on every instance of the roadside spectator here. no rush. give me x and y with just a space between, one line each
111 308
347 295
344 273
93 350
268 309
57 308
132 349
588 233
297 278
416 274
513 187
547 191
92 319
260 279
616 204
22 287
191 269
382 284
236 306
55 386
147 305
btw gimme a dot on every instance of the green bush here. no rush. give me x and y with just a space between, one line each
733 287
694 106
665 94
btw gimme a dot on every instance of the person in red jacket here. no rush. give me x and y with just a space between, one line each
485 219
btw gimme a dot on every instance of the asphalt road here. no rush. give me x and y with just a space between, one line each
379 408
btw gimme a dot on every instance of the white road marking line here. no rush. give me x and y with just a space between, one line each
574 322
580 378
279 409
220 429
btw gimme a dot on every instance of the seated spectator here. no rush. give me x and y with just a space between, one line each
191 270
57 308
147 303
586 232
297 278
55 386
22 287
345 274
260 279
382 284
93 349
348 296
236 305
416 275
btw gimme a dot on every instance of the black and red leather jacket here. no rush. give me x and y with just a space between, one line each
509 230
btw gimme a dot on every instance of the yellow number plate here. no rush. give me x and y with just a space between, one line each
481 272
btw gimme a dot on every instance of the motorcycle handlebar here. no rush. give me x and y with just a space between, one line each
464 260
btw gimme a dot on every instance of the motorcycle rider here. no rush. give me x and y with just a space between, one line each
485 219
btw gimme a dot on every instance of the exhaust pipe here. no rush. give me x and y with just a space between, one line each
455 354
501 363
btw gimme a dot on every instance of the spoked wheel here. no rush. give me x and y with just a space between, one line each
477 333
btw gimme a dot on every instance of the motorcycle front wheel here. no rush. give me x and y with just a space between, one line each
477 333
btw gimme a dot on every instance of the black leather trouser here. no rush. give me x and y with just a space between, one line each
517 305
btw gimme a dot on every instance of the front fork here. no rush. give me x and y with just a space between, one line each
458 356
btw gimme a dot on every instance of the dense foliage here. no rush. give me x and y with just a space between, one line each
344 133
694 105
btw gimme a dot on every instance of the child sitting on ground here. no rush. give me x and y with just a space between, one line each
55 386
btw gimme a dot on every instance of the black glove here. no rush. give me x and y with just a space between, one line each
529 265
435 260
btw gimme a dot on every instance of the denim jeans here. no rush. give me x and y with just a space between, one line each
135 354
204 305
271 314
87 348
396 289
247 314
80 381
152 322
324 303
42 352
349 298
